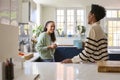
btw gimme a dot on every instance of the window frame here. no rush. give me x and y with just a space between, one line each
75 18
112 19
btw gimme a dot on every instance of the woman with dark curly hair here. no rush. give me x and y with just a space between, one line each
96 43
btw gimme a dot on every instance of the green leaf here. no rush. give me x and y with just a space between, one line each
38 30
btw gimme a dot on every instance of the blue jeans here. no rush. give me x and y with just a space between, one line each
48 60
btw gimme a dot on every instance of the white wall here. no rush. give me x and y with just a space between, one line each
48 13
8 41
38 14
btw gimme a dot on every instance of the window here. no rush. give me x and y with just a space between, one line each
60 20
68 19
70 22
113 24
80 17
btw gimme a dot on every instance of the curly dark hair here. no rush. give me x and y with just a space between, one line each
98 11
52 35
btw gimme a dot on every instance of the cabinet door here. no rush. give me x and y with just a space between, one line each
9 12
25 12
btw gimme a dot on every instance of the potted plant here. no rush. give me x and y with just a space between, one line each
36 32
60 32
81 29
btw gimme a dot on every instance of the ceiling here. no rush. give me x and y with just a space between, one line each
79 3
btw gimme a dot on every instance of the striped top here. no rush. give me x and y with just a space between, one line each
95 46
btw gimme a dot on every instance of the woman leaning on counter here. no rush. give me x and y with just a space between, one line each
45 45
96 42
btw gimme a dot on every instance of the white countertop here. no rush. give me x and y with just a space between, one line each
114 51
59 71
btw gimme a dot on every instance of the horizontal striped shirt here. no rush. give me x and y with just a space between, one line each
95 46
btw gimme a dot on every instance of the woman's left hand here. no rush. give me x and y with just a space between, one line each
54 46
